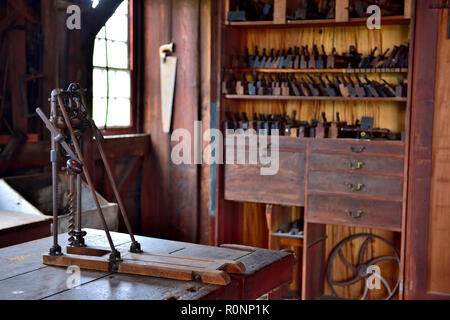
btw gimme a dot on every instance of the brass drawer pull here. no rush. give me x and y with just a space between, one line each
352 187
354 215
356 166
354 150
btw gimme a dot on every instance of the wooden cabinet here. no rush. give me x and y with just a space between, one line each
345 186
356 183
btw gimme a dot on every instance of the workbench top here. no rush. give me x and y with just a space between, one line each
23 276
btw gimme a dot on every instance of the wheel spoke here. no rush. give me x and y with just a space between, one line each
386 284
384 258
363 249
346 283
347 264
366 291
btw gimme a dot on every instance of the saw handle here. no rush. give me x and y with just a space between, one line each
165 49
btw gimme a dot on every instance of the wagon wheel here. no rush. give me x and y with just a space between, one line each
362 270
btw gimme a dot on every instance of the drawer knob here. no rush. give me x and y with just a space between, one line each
354 215
356 166
355 150
353 187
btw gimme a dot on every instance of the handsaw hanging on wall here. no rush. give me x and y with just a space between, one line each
168 73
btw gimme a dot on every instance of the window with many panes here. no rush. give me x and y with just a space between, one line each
112 71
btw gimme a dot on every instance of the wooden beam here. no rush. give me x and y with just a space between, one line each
98 16
22 7
7 21
32 155
17 53
124 146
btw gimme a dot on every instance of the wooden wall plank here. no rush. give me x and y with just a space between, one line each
208 10
439 229
184 187
420 160
155 203
170 192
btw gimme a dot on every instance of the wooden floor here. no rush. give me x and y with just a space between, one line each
24 276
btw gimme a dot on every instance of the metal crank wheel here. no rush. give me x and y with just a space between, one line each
365 269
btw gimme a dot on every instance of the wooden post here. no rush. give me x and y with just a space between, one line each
279 11
17 60
408 8
342 14
226 8
269 208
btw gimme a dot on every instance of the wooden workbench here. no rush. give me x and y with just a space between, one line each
24 276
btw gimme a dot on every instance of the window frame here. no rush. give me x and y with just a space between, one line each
132 59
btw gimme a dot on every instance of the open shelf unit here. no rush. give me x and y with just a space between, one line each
312 171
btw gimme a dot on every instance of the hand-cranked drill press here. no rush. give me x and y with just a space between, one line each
69 122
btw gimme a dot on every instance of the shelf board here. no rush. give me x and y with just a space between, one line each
343 71
257 97
251 23
336 140
286 235
289 240
391 20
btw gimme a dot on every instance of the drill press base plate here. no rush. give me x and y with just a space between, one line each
210 271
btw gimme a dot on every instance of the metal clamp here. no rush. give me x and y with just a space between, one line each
354 215
352 187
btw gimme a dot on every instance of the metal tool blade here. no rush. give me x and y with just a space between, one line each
168 73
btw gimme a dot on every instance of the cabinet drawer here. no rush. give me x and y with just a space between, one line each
356 163
355 212
384 187
358 146
244 182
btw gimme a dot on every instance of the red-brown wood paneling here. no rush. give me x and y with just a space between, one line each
170 192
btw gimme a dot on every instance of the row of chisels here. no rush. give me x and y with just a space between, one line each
290 84
302 57
285 125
